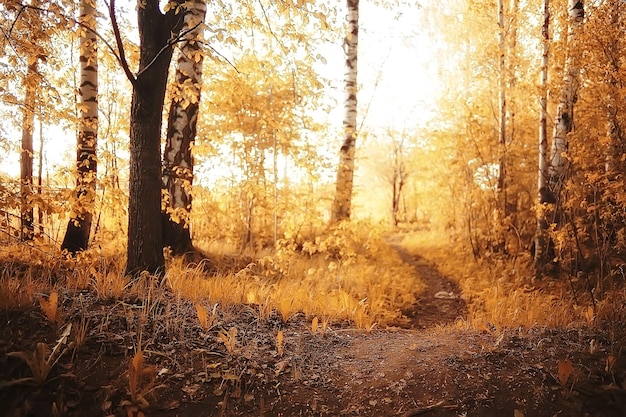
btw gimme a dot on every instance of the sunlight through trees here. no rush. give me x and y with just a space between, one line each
269 150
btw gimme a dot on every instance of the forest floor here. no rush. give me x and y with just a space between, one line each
428 365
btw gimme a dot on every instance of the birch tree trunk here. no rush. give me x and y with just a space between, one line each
26 156
181 132
79 226
345 171
565 110
542 175
512 69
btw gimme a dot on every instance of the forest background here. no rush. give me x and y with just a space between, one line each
489 130
447 125
448 120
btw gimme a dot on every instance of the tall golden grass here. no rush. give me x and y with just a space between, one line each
343 275
502 294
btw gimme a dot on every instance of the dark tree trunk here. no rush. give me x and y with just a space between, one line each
176 235
145 236
27 230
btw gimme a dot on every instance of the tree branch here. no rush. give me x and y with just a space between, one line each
169 44
221 56
104 41
120 46
16 18
71 19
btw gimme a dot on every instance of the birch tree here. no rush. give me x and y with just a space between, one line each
565 110
79 225
181 132
345 171
615 134
501 187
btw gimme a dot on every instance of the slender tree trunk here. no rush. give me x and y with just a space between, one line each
512 70
398 179
501 190
79 226
614 165
541 238
345 172
145 239
181 133
26 155
565 110
40 219
550 189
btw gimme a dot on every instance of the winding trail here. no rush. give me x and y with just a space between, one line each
440 304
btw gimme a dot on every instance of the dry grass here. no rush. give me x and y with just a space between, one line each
505 294
343 275
369 289
349 275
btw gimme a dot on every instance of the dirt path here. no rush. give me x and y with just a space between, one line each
441 302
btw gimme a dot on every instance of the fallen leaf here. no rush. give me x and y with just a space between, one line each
191 390
565 371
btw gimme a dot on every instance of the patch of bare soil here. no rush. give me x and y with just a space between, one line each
188 371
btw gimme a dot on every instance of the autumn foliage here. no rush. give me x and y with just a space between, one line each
456 183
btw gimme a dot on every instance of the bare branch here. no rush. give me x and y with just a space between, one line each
169 44
269 26
120 46
16 18
221 56
101 38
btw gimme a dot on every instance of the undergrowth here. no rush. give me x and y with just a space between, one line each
505 294
347 273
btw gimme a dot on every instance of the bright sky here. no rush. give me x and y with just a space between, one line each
397 78
394 51
397 66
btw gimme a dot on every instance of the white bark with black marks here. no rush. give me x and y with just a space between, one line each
181 131
565 110
79 226
342 203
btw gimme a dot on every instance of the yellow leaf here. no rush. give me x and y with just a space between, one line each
202 315
279 342
610 363
50 307
134 374
565 371
590 314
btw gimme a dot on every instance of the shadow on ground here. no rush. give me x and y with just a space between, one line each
440 303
